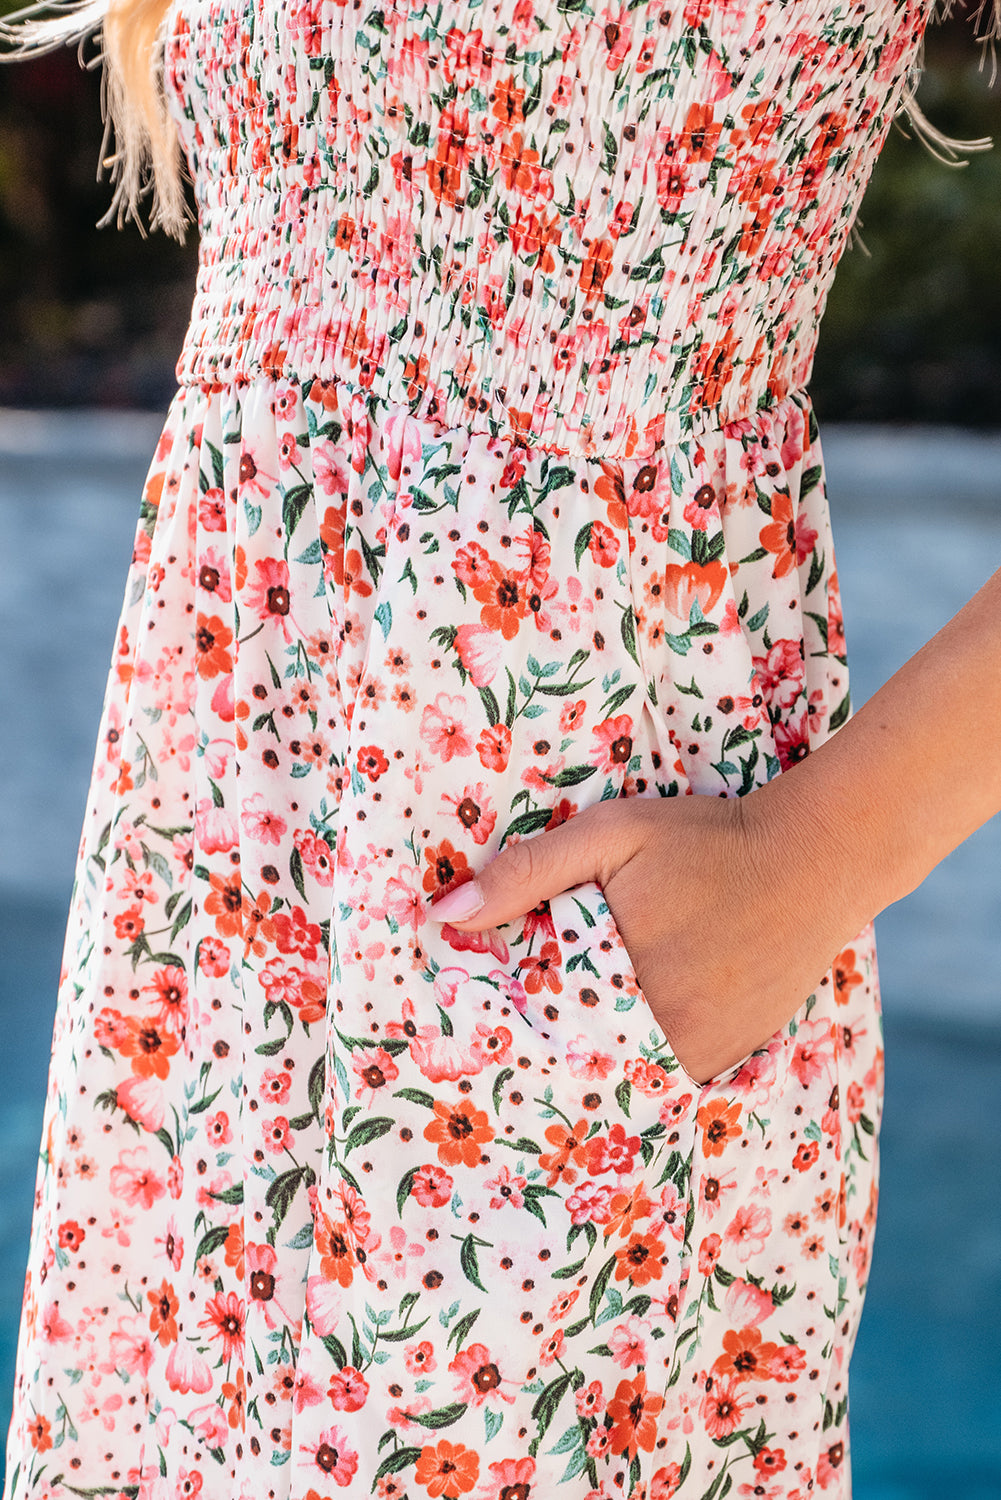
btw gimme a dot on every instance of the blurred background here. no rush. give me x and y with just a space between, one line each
908 389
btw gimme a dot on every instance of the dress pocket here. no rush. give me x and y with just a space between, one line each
600 977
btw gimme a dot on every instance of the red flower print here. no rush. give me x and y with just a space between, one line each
419 1358
129 924
612 1153
348 1390
603 544
806 1154
458 1130
503 599
633 1410
447 867
212 640
494 747
296 934
829 1464
224 1317
276 1135
718 1123
432 1187
449 1469
162 1320
542 970
213 957
71 1236
371 762
770 1460
613 743
665 1482
709 1254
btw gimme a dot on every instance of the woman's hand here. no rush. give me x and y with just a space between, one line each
719 902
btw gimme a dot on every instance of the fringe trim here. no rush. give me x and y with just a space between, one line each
986 22
146 159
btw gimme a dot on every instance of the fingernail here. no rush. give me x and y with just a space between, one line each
465 901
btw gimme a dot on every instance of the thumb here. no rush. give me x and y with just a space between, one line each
529 872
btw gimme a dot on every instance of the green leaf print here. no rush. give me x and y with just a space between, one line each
467 1260
368 1131
401 1459
443 1417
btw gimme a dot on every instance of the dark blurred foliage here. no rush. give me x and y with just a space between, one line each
912 331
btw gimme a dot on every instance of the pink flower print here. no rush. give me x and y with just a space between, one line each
478 1377
671 1211
404 899
315 854
813 1053
781 672
397 1258
131 1347
511 1477
573 607
510 989
331 1457
627 1342
586 1061
447 983
374 1068
713 1187
612 743
276 1135
474 810
143 1100
171 1243
135 1180
480 650
209 1423
215 828
260 822
188 1370
506 1188
590 1203
492 1044
419 1358
213 575
275 1087
748 1231
747 1306
269 1289
443 728
212 511
306 1391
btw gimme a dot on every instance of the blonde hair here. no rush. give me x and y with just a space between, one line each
147 156
146 159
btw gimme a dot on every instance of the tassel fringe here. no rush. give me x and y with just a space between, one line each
140 148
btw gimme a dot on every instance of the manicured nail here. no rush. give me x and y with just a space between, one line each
464 901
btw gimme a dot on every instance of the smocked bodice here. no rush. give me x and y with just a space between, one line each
595 228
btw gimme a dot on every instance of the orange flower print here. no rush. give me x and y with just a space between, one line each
447 867
718 1123
790 539
225 902
40 1433
212 640
149 1048
162 1320
745 1355
458 1130
572 1150
633 1410
337 1256
685 584
642 1260
449 1469
846 976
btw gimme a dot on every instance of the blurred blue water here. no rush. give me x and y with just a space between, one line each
918 528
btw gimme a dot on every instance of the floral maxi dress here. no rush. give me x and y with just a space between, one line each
490 490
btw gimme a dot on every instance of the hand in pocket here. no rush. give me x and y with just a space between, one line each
723 915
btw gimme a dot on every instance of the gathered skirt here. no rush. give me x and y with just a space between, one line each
334 1200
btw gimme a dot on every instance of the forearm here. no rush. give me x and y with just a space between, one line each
912 774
